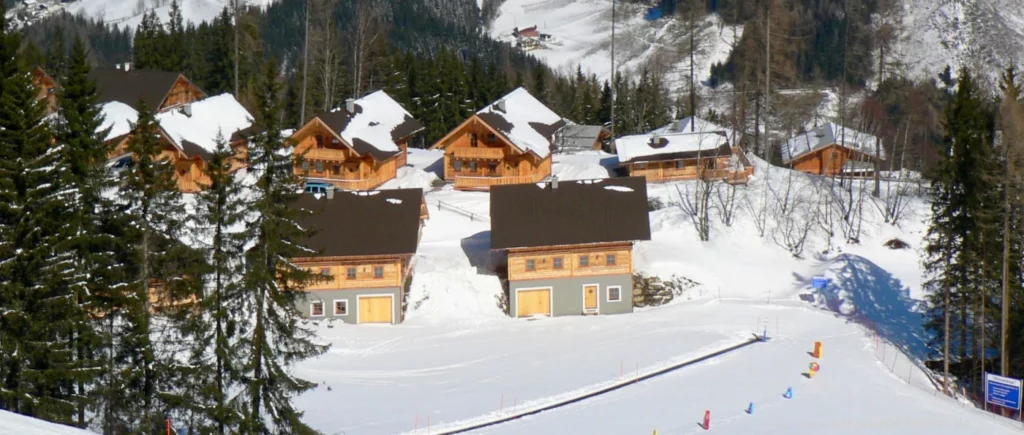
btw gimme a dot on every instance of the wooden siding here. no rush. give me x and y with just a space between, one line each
46 89
484 158
182 92
691 169
828 161
544 262
190 174
394 273
341 165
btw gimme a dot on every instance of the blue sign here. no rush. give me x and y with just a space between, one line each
1002 391
819 282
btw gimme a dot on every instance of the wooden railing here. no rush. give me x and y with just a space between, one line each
358 184
472 216
325 154
479 153
485 183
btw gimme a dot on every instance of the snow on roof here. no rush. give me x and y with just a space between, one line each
118 117
219 114
829 134
638 146
698 126
578 137
377 117
525 121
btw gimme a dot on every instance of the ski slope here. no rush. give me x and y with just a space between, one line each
15 424
458 360
128 13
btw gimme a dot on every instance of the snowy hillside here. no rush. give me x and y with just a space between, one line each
458 360
128 13
581 35
984 34
14 424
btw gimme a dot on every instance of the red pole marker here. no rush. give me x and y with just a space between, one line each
707 420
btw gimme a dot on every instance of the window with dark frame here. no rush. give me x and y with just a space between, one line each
340 308
316 308
558 263
610 259
319 166
680 164
472 140
472 166
614 294
351 273
378 272
457 165
336 169
584 261
491 138
325 271
492 167
531 265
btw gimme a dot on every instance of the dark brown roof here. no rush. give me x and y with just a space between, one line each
381 222
722 151
130 86
192 150
338 120
576 212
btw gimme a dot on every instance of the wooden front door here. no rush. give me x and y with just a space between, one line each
532 302
590 298
375 309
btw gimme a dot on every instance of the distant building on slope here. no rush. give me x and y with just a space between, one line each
161 90
579 138
507 142
357 147
570 244
364 243
46 87
832 150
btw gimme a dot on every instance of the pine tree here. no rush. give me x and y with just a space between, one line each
149 50
81 140
153 205
220 209
175 51
275 339
37 272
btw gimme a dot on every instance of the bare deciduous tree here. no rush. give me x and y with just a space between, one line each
367 32
790 210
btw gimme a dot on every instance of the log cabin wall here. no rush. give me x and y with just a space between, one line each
568 262
684 169
183 92
828 161
338 272
327 158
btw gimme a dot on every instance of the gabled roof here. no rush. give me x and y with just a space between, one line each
579 137
374 127
526 122
575 212
379 222
829 134
194 135
151 86
692 124
642 147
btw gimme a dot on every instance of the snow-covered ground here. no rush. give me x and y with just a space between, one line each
581 35
14 424
128 13
459 360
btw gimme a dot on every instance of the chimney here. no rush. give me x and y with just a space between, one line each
554 182
350 105
187 109
655 139
330 192
127 66
500 105
117 66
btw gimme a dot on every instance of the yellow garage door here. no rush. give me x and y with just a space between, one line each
375 309
532 302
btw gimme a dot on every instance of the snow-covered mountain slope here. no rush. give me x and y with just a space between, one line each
14 424
986 35
128 13
581 35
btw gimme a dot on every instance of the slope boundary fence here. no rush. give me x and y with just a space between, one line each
599 392
441 205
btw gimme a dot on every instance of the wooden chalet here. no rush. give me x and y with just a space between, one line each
365 242
508 142
580 138
682 152
570 244
832 150
358 147
47 88
187 135
161 90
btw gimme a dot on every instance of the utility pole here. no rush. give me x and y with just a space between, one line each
767 99
611 81
693 89
305 67
235 8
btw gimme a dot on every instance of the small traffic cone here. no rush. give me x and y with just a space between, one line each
707 420
789 393
750 408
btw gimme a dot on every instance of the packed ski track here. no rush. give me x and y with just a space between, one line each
457 360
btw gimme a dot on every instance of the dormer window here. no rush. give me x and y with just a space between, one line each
472 140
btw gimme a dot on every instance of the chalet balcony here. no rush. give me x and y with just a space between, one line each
479 153
485 183
325 154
